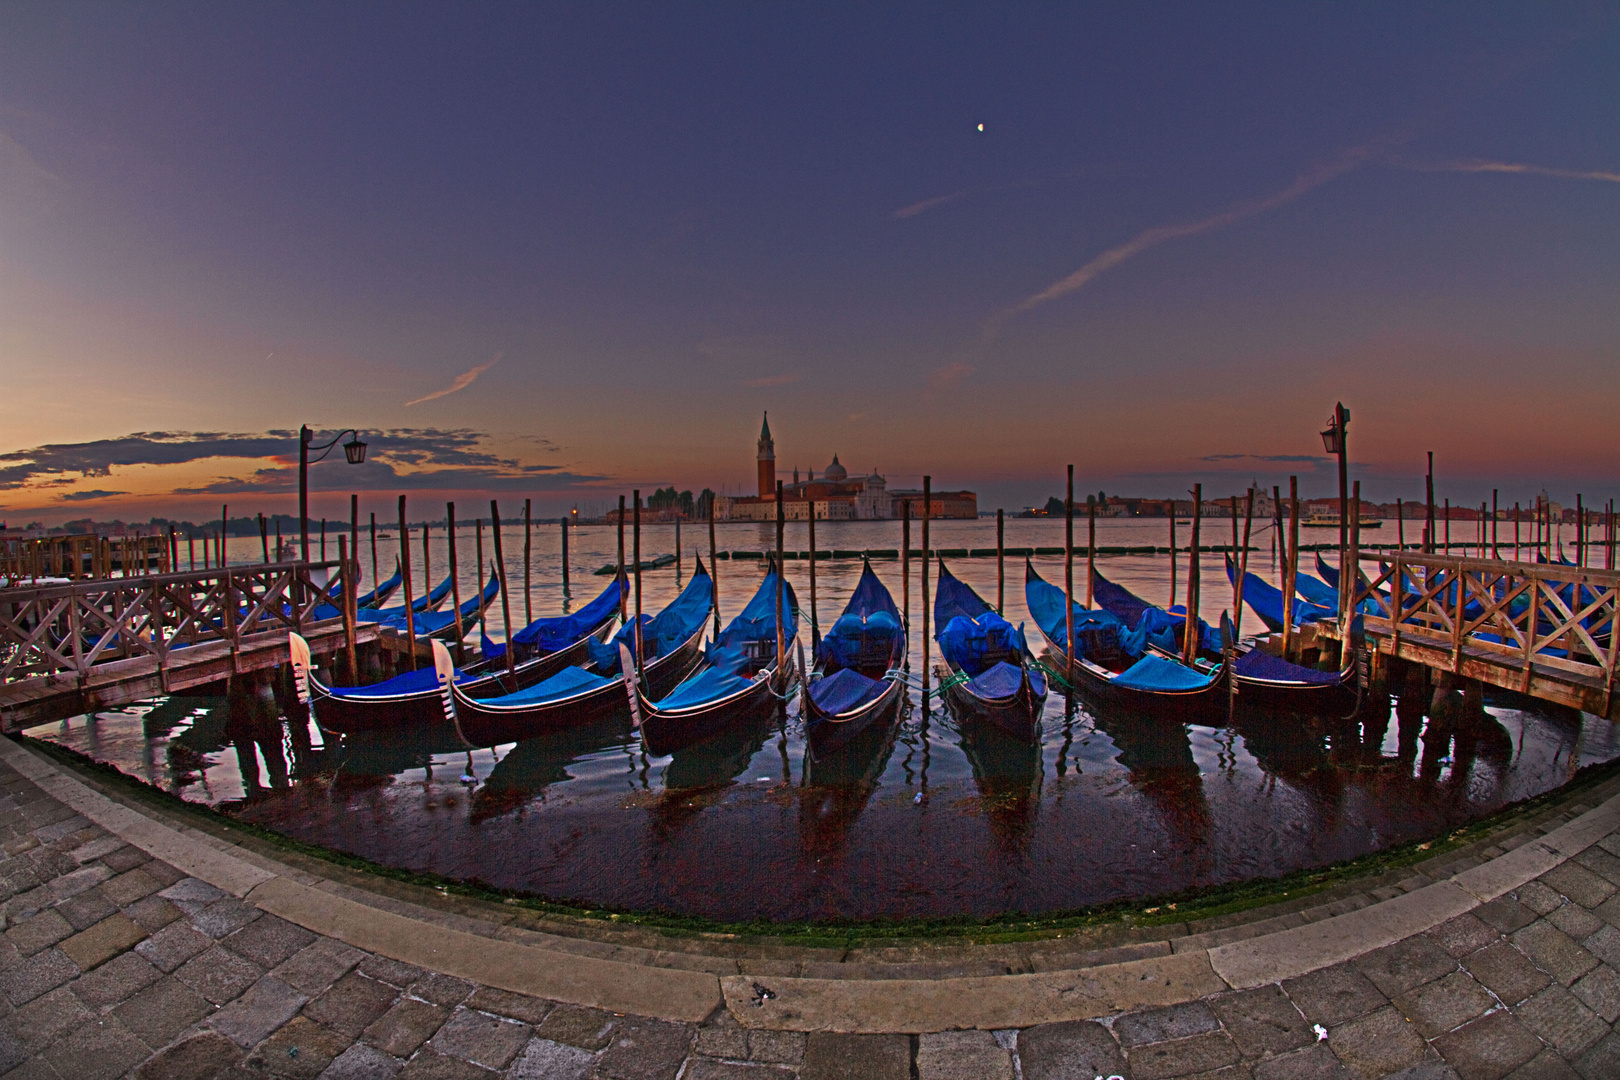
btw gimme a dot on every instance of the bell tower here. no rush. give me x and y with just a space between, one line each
767 460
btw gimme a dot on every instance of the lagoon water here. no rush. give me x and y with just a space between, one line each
930 817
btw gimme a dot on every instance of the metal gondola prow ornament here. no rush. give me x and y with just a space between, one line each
298 656
627 668
445 668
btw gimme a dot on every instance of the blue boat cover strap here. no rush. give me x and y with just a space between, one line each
1255 664
844 690
1155 673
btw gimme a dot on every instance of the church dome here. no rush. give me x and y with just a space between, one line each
835 472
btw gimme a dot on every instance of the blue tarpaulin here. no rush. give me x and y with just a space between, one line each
566 683
1156 674
412 682
560 631
845 689
870 630
1255 664
661 633
722 677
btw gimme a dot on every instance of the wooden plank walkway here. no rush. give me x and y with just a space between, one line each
1542 629
67 649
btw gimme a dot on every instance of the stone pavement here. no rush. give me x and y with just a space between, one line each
115 963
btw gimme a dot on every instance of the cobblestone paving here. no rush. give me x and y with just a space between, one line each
114 964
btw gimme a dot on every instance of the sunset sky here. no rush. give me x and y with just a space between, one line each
562 251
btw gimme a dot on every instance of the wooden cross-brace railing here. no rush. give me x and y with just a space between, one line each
1541 619
68 629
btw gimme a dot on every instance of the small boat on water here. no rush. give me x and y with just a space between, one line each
430 602
646 564
442 624
413 699
1331 521
1266 601
742 675
856 677
1111 665
993 673
671 643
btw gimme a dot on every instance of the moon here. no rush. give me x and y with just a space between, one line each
981 127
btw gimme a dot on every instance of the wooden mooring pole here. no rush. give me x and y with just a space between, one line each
375 580
1001 570
1291 566
781 578
528 551
635 539
1091 546
714 571
354 540
500 574
455 577
1189 636
564 524
624 600
478 578
1068 579
405 569
928 512
1428 529
264 538
905 567
349 614
1496 551
815 628
1175 567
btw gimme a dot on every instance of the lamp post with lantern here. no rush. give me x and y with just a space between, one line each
354 450
1334 441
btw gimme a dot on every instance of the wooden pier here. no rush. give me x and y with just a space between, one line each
67 649
1542 629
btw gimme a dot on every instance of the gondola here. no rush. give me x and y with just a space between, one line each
1263 680
442 624
856 676
741 675
413 699
993 674
430 602
1266 601
671 643
380 595
1141 679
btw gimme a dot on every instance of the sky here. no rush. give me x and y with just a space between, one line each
562 251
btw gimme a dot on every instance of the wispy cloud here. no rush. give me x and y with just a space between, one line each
1276 458
772 380
460 382
1147 239
1510 167
950 375
928 204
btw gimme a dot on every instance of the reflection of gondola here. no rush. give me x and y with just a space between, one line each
1159 757
1007 771
1284 745
381 755
534 764
852 685
699 772
837 785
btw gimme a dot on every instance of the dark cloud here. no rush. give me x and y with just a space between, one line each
1309 459
397 459
86 496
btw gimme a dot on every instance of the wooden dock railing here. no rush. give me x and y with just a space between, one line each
1546 629
54 630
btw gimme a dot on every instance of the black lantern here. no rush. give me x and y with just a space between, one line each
355 450
1334 432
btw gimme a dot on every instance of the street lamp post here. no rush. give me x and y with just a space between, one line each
354 450
1334 440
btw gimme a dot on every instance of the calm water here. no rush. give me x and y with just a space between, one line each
929 817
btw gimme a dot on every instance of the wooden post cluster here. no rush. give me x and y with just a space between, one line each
405 568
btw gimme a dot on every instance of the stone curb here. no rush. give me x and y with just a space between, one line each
859 1005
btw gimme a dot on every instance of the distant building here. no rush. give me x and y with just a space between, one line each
834 497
